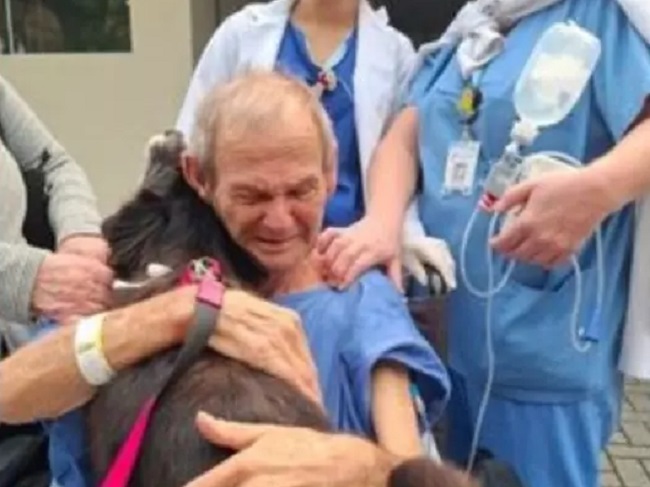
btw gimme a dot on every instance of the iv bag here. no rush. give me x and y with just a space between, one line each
556 74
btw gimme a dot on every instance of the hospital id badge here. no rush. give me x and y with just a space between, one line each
460 169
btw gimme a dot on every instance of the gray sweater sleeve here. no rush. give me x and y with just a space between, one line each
73 206
19 266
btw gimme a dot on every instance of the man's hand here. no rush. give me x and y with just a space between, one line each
69 285
274 456
268 337
91 246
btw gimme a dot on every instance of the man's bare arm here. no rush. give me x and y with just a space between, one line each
42 380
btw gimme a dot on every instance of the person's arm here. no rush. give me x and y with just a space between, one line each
280 455
72 203
19 266
57 285
41 380
275 455
393 411
393 173
32 387
386 355
407 61
624 172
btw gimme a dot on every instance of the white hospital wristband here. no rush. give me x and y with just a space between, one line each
89 351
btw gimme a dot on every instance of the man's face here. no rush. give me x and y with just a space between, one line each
271 191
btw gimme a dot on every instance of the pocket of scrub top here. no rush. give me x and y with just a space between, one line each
532 340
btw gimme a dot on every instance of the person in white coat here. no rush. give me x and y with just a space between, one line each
356 62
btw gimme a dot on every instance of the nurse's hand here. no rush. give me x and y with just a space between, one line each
558 212
346 253
291 457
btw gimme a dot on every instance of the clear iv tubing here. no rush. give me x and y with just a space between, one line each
492 290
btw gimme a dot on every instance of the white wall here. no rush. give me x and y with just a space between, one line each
104 107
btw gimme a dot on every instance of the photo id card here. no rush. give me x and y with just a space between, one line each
460 168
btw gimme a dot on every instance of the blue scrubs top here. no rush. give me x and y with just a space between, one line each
346 205
535 360
349 332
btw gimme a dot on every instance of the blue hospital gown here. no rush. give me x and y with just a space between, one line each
349 332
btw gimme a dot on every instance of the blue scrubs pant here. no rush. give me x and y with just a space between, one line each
549 445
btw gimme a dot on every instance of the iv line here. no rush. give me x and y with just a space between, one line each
492 290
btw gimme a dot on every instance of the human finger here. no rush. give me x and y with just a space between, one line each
326 238
232 435
347 260
364 262
516 195
511 237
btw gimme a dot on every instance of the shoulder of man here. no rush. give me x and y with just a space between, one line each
376 285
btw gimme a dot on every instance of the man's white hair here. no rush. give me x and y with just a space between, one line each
253 102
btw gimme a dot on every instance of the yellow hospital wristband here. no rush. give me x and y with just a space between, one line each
89 351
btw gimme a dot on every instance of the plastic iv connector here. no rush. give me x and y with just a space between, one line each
549 87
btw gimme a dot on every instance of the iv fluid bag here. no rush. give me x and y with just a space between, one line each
556 74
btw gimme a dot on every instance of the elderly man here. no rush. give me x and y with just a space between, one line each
262 156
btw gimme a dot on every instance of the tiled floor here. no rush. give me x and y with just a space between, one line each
627 462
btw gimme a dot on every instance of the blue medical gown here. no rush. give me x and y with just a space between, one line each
346 204
535 360
349 332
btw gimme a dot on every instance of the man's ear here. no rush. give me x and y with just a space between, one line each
194 176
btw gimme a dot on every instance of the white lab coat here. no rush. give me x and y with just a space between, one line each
250 39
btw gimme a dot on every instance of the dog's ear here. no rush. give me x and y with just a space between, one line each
165 148
163 154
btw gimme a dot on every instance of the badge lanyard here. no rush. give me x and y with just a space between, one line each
463 155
